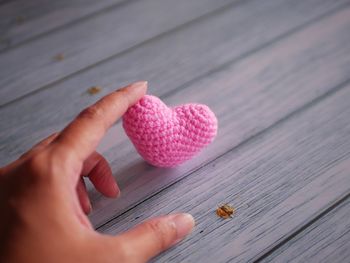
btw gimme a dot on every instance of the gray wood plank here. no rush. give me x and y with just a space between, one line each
248 98
4 1
256 95
254 88
28 120
32 66
327 240
278 181
23 20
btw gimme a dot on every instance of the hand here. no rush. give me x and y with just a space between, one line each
43 199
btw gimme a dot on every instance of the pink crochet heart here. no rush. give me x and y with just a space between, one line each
166 137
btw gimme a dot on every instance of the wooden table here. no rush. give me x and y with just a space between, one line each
275 72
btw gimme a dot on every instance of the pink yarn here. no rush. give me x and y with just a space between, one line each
167 137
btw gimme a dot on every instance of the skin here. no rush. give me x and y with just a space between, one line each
43 199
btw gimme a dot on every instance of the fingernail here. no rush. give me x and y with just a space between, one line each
119 193
184 224
140 83
116 190
89 208
113 192
137 85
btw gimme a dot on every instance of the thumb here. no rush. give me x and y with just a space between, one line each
154 236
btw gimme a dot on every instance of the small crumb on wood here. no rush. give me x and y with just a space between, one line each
5 42
59 57
94 90
19 20
201 231
225 211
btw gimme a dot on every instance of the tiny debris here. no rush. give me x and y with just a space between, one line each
94 90
201 231
225 211
19 20
59 57
5 42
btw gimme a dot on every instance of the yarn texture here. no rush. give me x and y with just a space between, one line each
167 137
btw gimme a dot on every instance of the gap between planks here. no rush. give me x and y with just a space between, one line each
283 184
158 90
331 209
298 38
53 83
17 83
76 20
261 133
327 240
315 88
333 77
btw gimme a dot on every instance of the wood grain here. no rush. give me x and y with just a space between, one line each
22 20
276 73
278 181
256 102
32 118
326 240
4 1
283 64
32 66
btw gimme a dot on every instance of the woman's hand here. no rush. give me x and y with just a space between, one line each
43 199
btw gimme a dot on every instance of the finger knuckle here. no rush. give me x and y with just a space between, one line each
40 168
123 97
36 162
35 166
124 252
163 232
54 135
122 92
91 112
121 250
26 154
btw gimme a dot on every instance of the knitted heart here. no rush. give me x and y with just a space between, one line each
166 137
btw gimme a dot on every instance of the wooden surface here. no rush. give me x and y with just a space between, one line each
22 21
326 240
91 42
276 73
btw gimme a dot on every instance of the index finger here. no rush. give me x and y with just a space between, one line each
82 135
152 237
